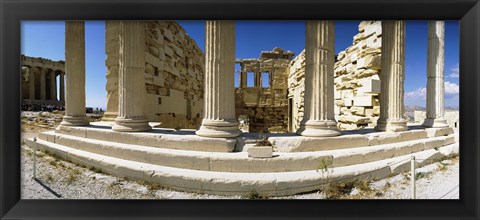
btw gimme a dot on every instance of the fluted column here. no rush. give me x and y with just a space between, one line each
319 120
131 85
219 114
75 68
62 86
435 75
53 86
43 87
392 78
31 83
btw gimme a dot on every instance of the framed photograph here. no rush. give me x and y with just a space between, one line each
273 109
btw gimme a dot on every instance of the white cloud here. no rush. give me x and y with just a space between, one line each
454 72
451 89
420 93
418 97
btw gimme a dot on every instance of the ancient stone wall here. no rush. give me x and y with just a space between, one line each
296 90
357 82
174 74
265 106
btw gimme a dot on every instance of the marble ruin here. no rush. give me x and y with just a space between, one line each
155 70
265 102
39 81
174 74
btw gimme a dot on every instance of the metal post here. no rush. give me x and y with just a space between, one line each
35 158
412 177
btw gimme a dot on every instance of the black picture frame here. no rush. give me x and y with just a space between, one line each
12 12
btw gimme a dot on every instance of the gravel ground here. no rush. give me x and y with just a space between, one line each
58 179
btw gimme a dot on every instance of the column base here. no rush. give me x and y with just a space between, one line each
319 129
435 123
219 129
390 125
75 121
131 125
381 126
109 116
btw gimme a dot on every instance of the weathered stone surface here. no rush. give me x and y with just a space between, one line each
265 107
301 144
260 152
435 79
219 119
75 114
356 74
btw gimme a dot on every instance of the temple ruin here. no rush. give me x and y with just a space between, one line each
264 102
39 81
154 67
174 73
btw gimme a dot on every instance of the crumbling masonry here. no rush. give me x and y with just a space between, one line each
265 102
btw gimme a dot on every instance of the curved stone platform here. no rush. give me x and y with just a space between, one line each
234 173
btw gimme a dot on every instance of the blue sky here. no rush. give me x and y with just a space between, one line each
46 39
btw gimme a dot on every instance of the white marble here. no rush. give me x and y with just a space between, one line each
219 118
75 114
435 75
319 118
131 114
392 78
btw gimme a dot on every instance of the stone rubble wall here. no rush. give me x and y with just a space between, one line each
266 108
174 75
296 89
357 81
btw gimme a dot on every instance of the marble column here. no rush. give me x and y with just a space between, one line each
435 76
31 83
75 113
392 78
62 86
53 86
319 119
131 85
219 110
43 87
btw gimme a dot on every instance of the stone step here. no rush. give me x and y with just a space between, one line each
239 161
352 139
228 183
187 140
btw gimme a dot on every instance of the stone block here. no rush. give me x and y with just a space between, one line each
168 35
365 101
175 103
302 144
347 93
149 58
168 51
357 110
260 152
369 62
348 102
436 132
369 86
